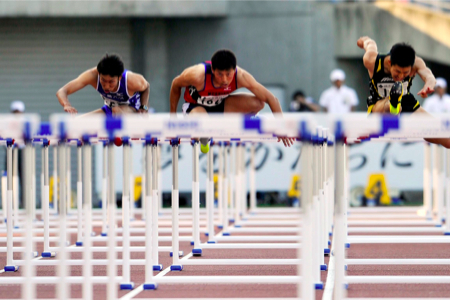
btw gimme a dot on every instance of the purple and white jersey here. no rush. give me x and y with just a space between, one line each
121 97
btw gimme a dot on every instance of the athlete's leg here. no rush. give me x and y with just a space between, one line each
243 103
92 113
444 142
198 110
123 109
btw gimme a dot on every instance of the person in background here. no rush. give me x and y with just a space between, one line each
439 102
301 103
339 98
17 107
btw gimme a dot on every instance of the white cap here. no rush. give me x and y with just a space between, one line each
337 74
441 82
17 106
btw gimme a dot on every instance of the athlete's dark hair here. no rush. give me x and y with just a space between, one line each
402 55
223 60
297 93
110 64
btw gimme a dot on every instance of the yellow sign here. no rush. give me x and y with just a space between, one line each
137 188
377 189
294 190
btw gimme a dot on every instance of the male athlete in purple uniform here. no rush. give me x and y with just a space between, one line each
121 90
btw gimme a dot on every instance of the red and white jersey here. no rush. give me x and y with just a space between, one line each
210 95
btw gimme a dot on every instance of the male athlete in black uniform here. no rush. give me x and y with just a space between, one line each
391 78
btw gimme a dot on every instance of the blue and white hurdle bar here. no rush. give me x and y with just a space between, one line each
386 128
113 279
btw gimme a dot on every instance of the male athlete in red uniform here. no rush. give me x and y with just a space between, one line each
209 85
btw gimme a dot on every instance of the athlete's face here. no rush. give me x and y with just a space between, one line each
109 84
223 78
399 73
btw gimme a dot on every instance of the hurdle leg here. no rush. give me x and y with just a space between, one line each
447 192
55 179
197 251
87 207
155 201
29 289
104 191
231 181
252 178
317 253
321 228
16 186
340 215
307 289
62 253
10 267
427 192
33 181
237 184
440 184
243 182
143 185
127 284
210 196
176 266
220 185
112 271
226 192
131 178
149 284
79 199
69 179
160 199
45 201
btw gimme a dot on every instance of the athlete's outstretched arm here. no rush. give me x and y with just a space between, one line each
186 78
370 56
246 80
89 77
137 83
426 75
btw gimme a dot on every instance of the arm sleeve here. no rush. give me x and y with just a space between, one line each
324 99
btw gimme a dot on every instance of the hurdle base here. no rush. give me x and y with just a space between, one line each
35 254
150 286
237 226
79 244
346 267
192 243
220 226
157 267
447 233
206 234
323 267
127 286
326 251
180 253
347 245
104 234
438 225
330 234
176 268
231 220
211 242
226 234
346 286
329 243
318 286
11 268
197 252
48 254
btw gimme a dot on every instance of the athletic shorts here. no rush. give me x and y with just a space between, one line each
188 107
409 103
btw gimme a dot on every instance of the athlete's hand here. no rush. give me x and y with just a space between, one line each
425 91
70 109
143 111
287 141
361 41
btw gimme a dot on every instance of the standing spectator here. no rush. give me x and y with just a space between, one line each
17 107
339 98
300 103
439 102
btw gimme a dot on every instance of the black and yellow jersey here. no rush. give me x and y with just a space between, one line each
381 82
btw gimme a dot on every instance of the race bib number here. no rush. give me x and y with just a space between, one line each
384 88
211 100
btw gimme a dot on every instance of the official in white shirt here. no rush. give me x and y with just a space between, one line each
339 98
439 102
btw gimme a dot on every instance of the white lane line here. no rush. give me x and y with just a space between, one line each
329 285
133 293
